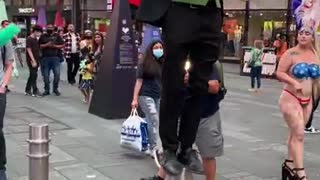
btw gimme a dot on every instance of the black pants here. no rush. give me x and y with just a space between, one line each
3 160
73 67
255 74
32 80
314 107
197 33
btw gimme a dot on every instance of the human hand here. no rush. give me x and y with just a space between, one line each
2 90
297 86
186 78
214 86
134 104
34 64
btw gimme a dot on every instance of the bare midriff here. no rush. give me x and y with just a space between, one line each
302 57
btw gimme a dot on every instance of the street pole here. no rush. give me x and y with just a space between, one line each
38 151
76 14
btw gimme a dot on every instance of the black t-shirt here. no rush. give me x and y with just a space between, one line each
210 102
150 86
33 44
48 51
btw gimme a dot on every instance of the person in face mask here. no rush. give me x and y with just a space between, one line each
147 90
50 44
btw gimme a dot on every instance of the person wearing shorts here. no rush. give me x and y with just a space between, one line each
209 139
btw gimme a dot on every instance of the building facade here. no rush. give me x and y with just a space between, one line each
244 22
26 13
249 20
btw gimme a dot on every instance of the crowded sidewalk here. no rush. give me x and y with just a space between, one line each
87 147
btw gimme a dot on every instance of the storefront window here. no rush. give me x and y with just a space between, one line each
40 2
67 2
233 29
267 26
8 2
52 2
17 2
28 2
95 21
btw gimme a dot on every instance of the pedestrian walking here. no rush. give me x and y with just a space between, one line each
255 63
72 53
309 128
299 71
50 45
147 90
86 47
87 71
190 27
33 61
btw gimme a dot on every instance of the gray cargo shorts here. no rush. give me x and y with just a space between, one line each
209 137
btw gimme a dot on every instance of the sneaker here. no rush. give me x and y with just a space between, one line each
251 90
152 178
311 130
46 93
191 159
57 93
28 93
37 94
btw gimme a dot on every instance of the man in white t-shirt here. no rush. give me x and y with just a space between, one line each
72 53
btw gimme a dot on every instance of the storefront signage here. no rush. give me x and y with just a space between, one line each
109 5
26 10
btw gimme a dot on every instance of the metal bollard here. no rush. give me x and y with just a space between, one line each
38 151
185 175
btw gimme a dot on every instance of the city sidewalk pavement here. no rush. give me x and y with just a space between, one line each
87 147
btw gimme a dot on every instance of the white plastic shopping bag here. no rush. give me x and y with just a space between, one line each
134 133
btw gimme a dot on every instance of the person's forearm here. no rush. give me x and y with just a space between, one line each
7 74
58 46
31 55
43 45
137 88
284 77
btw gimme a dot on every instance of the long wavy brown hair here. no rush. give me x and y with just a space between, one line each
95 45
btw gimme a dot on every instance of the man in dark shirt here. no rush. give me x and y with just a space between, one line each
209 138
33 61
50 44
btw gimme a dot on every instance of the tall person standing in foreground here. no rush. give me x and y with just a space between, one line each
190 28
6 68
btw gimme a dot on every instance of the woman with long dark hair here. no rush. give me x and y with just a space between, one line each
97 48
147 89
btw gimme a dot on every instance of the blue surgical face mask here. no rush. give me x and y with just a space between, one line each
158 53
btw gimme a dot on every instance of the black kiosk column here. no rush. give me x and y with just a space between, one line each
116 78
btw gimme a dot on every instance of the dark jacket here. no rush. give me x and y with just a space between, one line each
153 11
